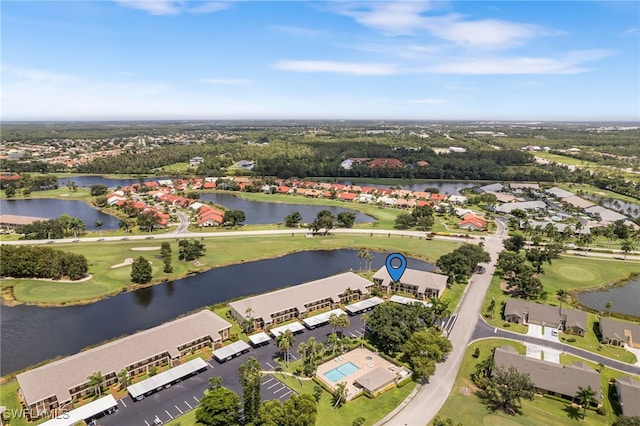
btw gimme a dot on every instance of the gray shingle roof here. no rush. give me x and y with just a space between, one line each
563 379
612 329
629 395
376 379
549 315
58 377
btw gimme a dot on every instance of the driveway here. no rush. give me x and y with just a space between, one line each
545 333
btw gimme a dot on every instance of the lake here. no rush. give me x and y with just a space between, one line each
625 299
31 334
265 213
448 187
52 208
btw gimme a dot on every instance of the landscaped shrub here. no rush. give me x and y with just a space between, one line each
506 325
571 339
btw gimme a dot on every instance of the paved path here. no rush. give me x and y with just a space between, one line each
426 403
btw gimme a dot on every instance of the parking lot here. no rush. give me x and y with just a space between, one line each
184 396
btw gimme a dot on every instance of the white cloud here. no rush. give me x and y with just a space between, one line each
353 68
571 63
412 18
299 31
173 7
630 31
228 81
429 101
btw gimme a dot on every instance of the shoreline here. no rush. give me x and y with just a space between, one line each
604 287
8 298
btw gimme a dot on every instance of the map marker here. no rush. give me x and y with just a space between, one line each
396 273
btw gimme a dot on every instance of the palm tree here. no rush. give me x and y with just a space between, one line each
626 247
562 294
314 348
285 342
95 381
334 322
361 254
125 224
303 350
609 305
123 379
586 239
343 322
340 394
585 397
332 341
368 259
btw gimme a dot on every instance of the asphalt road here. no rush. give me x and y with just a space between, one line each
184 396
484 331
428 400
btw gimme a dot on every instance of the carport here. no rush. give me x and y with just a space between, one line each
363 305
295 327
321 319
88 411
158 381
259 339
231 351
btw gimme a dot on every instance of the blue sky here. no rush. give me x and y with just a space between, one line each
466 60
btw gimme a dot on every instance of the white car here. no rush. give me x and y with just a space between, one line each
554 333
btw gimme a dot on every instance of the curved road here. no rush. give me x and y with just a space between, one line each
485 331
428 400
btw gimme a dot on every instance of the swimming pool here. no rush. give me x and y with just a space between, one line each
341 371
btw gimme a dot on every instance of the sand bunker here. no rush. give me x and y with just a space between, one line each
145 248
127 261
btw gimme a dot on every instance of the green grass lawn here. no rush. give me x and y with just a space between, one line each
590 343
570 273
177 168
62 193
465 407
220 251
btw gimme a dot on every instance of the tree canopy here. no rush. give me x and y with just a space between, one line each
460 264
219 407
141 271
506 387
41 262
299 410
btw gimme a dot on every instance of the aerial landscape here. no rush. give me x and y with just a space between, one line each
320 213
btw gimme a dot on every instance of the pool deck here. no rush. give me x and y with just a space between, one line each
360 357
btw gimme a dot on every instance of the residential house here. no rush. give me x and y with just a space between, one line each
628 391
558 379
525 312
620 333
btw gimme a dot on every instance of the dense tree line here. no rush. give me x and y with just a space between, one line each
41 262
64 226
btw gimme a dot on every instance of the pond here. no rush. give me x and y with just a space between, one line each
101 180
51 208
624 300
444 186
265 213
32 334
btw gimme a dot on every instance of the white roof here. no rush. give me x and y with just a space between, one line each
524 205
606 214
196 206
259 338
558 192
85 412
363 305
294 327
407 300
165 377
231 350
322 318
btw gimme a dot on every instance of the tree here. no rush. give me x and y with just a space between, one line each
627 421
428 343
165 252
515 243
342 322
445 421
234 217
392 324
147 221
324 220
491 308
141 271
10 191
98 225
123 379
423 216
460 263
189 250
214 383
340 394
98 190
250 377
506 387
525 284
219 407
585 397
95 381
292 220
405 221
562 296
609 305
285 342
125 225
627 246
346 219
299 410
